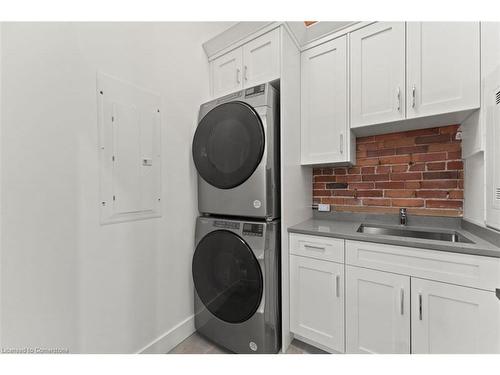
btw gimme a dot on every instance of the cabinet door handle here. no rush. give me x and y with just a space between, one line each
245 74
413 94
320 248
402 301
238 79
398 94
341 143
420 306
337 285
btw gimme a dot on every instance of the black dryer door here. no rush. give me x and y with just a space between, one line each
228 144
227 276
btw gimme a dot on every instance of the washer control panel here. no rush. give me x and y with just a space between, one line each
252 229
226 224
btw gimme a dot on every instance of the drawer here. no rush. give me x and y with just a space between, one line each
461 269
325 248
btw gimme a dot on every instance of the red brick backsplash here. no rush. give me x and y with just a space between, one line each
419 169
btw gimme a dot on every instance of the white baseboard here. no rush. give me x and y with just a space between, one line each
171 338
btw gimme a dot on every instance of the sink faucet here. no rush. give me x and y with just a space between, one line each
403 218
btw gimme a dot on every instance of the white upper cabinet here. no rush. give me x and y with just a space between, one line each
453 319
377 312
325 134
261 59
377 73
443 67
257 61
227 73
317 301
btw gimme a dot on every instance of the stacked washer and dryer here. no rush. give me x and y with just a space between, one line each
236 263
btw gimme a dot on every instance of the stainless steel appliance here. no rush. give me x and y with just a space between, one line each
236 153
236 276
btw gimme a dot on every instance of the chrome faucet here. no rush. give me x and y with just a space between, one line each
403 218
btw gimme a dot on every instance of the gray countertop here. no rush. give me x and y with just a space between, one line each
346 226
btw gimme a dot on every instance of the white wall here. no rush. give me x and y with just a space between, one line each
66 281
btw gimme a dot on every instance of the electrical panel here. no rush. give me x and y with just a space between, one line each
130 151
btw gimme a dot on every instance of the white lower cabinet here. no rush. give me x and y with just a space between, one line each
317 301
377 311
453 319
396 299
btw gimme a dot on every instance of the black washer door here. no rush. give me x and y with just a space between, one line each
228 145
227 276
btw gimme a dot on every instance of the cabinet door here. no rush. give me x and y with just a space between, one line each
317 301
453 319
261 59
324 127
443 60
377 311
227 73
377 73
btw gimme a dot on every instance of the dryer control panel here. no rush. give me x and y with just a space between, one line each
252 229
256 90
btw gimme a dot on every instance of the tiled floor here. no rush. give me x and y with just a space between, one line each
196 344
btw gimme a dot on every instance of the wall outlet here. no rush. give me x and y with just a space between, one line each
323 207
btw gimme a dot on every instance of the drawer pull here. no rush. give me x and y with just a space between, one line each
402 301
420 306
398 96
337 285
312 247
413 95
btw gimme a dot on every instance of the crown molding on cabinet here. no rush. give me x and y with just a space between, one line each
333 34
304 38
235 36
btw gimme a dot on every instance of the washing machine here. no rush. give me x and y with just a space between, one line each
236 153
236 276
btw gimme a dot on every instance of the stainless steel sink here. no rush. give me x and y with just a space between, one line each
405 232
